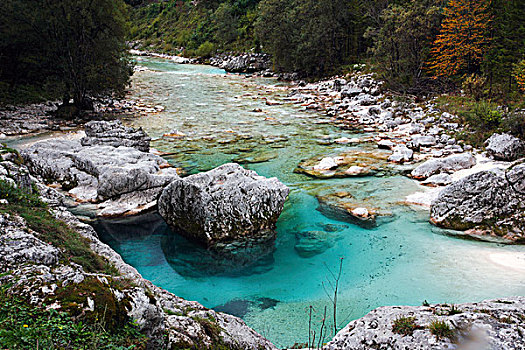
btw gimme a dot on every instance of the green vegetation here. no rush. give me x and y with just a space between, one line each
483 118
454 311
310 36
441 329
26 326
29 206
405 325
185 26
68 49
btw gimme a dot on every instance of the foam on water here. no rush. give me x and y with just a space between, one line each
403 261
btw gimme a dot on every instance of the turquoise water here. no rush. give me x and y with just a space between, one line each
403 261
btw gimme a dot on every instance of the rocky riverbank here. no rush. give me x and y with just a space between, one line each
416 139
33 267
403 138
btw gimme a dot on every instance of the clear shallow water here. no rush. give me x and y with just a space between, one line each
404 261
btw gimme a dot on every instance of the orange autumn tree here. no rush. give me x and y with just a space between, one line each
463 38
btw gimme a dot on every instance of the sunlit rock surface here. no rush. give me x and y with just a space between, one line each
122 180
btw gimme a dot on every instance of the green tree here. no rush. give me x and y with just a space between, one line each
314 37
508 44
401 43
81 46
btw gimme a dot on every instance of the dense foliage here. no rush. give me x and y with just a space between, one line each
70 48
195 27
415 45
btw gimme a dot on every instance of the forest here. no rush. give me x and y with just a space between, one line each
412 44
415 46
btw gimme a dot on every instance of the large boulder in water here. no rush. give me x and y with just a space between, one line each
113 133
121 180
224 205
486 204
505 147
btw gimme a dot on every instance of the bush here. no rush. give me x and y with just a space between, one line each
474 86
405 325
441 329
483 115
206 50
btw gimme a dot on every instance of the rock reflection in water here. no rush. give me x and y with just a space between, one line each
192 260
187 258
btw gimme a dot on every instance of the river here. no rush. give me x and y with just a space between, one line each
221 118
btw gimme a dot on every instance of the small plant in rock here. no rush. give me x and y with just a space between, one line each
405 325
441 329
454 310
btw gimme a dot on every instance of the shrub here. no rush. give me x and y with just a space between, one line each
474 85
405 325
519 75
206 50
454 310
441 329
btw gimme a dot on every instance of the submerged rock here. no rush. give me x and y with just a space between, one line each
486 204
490 325
446 165
349 164
224 205
113 133
344 206
312 243
505 147
122 180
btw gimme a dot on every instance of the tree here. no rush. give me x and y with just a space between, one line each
402 40
463 38
519 74
314 37
508 44
81 45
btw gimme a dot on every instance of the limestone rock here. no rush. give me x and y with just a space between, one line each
18 245
485 203
113 133
446 165
505 147
33 269
123 179
438 180
488 325
401 154
224 205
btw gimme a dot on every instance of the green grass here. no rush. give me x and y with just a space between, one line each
441 330
454 311
405 325
75 248
25 326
